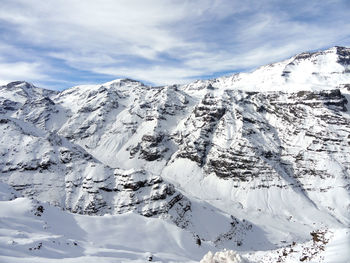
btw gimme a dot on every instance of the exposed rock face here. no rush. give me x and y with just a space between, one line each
195 138
82 183
124 191
260 145
115 148
343 55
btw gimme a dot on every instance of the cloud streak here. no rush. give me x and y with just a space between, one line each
159 41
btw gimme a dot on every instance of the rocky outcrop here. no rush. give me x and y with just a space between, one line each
195 139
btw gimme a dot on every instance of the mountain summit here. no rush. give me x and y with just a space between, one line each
312 71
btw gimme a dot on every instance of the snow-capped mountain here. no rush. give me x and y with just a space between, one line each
252 162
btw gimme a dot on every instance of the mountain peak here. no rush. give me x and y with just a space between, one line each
20 84
319 70
21 91
123 81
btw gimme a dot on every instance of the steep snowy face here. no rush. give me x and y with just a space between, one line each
120 121
21 91
40 163
272 152
44 165
306 71
49 168
269 148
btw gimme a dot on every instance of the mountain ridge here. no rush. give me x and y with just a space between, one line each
341 51
264 153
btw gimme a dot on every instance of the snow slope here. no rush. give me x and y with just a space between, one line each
35 232
29 235
306 71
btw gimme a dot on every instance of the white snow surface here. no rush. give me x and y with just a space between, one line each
227 256
306 71
56 235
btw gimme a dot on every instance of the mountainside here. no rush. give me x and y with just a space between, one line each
251 162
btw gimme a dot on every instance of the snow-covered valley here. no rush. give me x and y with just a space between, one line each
256 162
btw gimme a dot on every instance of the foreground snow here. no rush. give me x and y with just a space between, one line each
227 256
27 235
33 232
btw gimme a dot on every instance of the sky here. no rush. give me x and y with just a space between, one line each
58 44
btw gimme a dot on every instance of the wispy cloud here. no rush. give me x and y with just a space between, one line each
17 70
159 41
